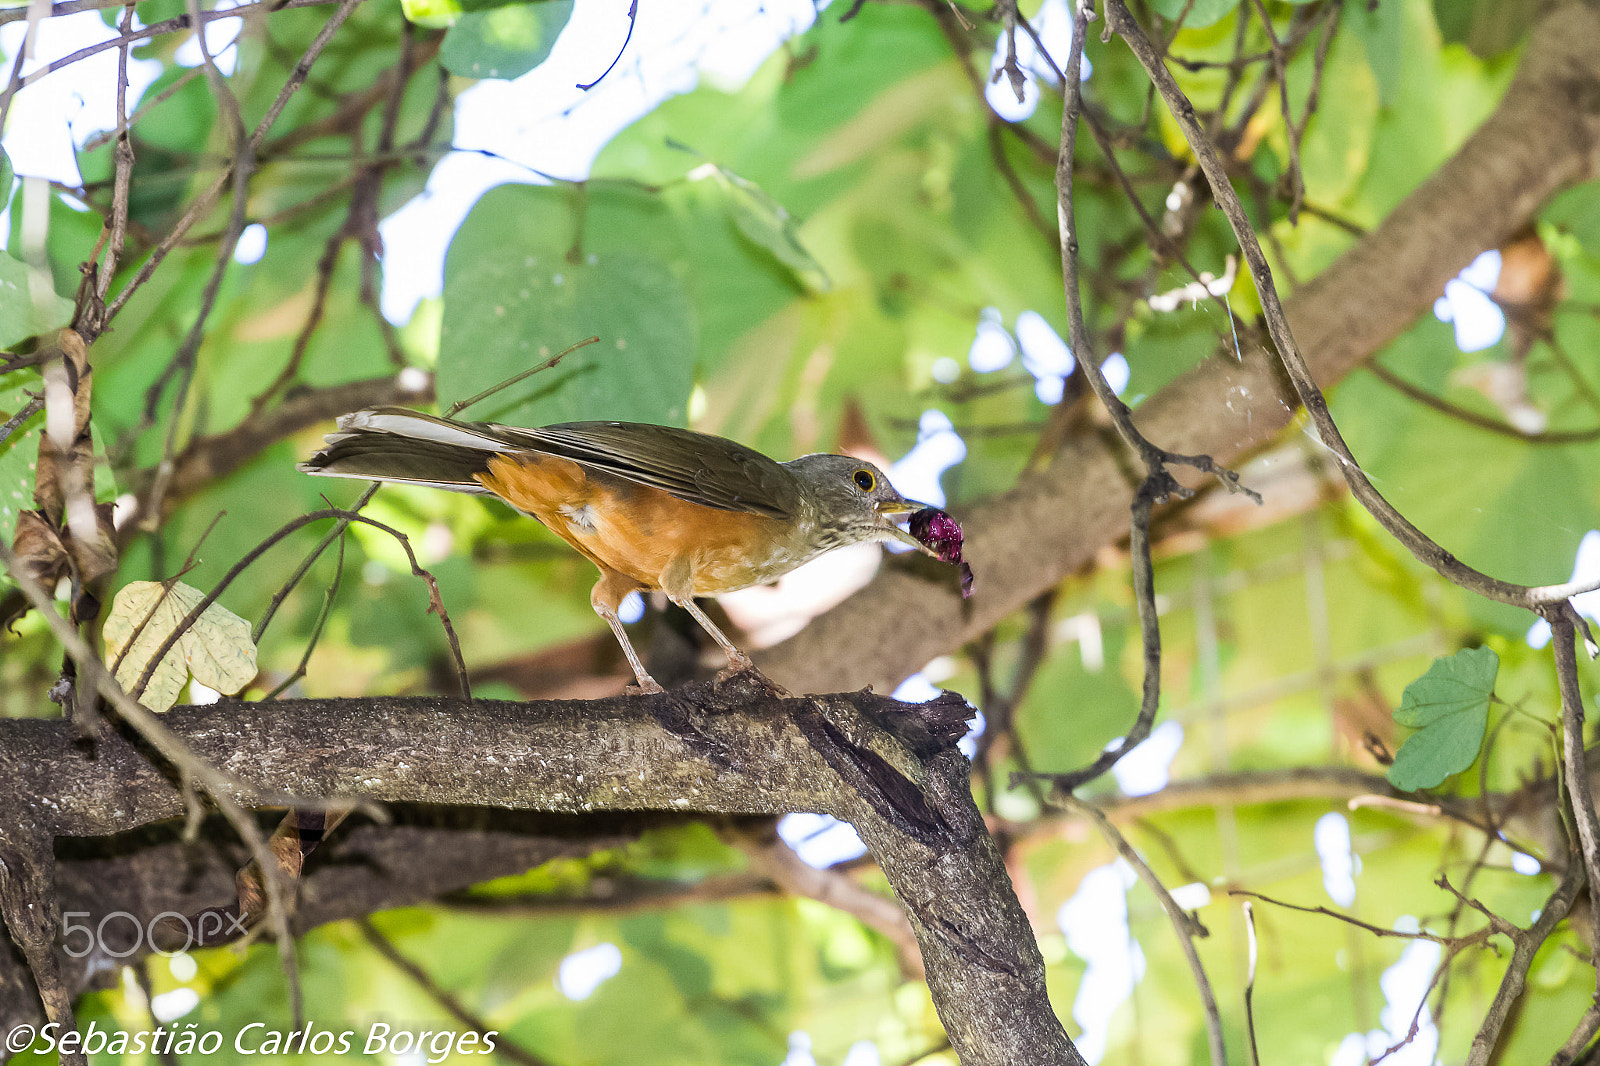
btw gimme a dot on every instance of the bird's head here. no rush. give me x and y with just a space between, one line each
852 500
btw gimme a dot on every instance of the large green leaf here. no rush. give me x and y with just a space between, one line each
533 271
504 42
1449 708
1196 14
29 305
19 451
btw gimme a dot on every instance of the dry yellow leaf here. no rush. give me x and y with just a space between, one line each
217 649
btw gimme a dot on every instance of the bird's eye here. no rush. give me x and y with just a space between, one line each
864 480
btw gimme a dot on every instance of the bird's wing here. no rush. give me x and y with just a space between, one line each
710 471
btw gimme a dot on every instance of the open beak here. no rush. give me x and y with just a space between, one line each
893 509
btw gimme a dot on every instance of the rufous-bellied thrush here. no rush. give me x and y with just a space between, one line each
653 507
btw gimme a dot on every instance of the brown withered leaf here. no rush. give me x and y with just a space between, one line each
66 448
48 554
39 550
63 488
40 555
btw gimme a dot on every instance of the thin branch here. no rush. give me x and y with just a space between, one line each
122 181
1159 484
1183 923
1476 420
435 602
503 1047
29 409
172 25
999 710
1526 945
146 105
182 363
1310 395
1276 53
336 533
203 203
30 12
1450 942
329 597
1250 984
1564 622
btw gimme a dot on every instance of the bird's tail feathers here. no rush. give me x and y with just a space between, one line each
397 445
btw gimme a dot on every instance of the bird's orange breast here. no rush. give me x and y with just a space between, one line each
647 534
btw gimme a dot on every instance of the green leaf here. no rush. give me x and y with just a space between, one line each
1380 29
433 14
767 225
443 14
504 42
1490 28
518 289
19 451
1202 13
29 305
1449 706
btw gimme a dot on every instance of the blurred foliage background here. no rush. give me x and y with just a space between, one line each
802 262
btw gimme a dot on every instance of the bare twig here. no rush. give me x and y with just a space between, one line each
182 363
1452 943
1564 622
1120 20
999 709
305 564
122 183
1159 484
208 197
29 409
1183 923
549 364
1525 946
435 602
503 1047
1476 420
1250 984
158 29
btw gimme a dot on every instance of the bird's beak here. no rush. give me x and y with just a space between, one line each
892 509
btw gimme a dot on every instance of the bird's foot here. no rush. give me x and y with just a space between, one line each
742 669
647 686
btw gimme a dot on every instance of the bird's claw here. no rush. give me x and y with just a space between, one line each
747 671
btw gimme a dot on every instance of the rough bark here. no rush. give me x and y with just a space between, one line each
726 750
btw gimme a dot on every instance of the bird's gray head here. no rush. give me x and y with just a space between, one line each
852 501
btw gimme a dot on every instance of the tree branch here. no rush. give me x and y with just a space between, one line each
728 750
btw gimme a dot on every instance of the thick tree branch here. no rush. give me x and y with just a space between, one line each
727 750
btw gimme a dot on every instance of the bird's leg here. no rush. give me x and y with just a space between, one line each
606 595
738 661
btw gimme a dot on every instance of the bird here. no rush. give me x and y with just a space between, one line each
655 508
